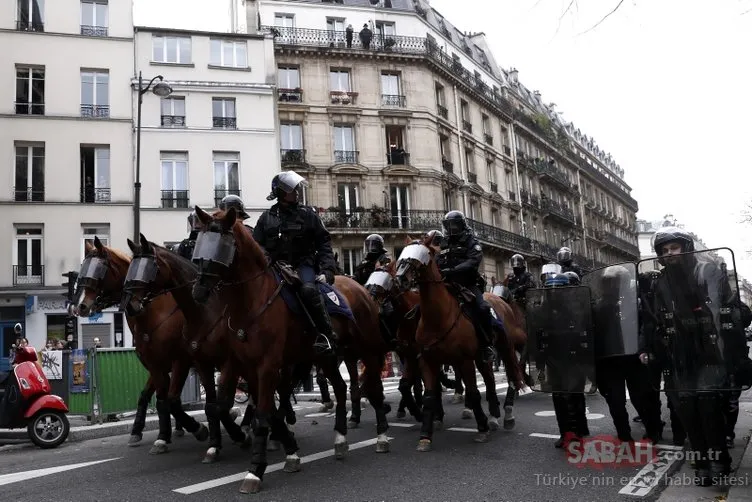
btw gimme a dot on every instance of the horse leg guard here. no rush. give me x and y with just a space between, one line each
215 434
355 410
509 419
426 428
405 389
233 430
252 481
281 433
165 428
474 402
182 418
139 422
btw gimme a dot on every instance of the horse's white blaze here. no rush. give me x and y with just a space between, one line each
339 438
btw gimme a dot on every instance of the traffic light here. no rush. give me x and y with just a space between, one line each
71 285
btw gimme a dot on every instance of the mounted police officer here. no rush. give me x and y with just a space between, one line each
375 255
564 258
696 338
234 201
294 233
185 249
459 261
520 280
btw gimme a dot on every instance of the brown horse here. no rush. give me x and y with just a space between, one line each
154 272
267 337
444 334
156 332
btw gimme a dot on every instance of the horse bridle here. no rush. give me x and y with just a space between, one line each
103 299
150 296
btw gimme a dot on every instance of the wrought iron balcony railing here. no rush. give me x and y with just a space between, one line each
557 209
467 126
292 156
27 194
93 31
173 121
28 275
29 26
447 166
443 112
488 138
379 217
621 244
494 187
290 95
93 195
397 158
224 122
338 40
346 156
507 150
342 97
393 100
29 108
175 199
95 111
221 193
472 177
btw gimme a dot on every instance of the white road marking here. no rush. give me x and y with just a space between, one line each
462 429
547 436
234 478
594 416
552 413
15 477
314 415
399 424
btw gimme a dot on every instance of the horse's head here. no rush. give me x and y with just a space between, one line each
220 242
413 260
380 284
148 275
100 279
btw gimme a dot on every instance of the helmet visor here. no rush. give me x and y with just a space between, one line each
289 181
454 226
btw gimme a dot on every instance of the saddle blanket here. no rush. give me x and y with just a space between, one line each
335 303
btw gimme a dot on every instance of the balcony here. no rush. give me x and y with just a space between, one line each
345 156
28 275
29 108
472 177
494 187
292 157
398 157
447 166
546 169
93 31
175 199
287 36
393 100
382 218
488 138
173 121
290 95
528 199
467 126
507 151
29 26
91 195
95 111
224 122
221 193
443 112
621 245
342 97
561 212
26 194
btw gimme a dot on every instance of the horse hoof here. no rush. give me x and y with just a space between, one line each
340 450
251 484
493 424
424 445
482 437
401 414
202 434
438 425
467 414
134 440
326 407
509 424
272 445
292 463
353 424
159 447
382 444
179 433
211 456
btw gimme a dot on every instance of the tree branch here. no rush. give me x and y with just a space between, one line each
603 18
569 7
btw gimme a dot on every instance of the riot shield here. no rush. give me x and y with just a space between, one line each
696 338
613 290
560 340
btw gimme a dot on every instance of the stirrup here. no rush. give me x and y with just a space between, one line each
323 345
488 354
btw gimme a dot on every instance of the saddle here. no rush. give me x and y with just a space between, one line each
288 274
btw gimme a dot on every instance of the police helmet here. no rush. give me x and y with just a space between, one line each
236 202
672 234
374 244
454 223
434 237
284 183
573 278
518 261
564 256
551 275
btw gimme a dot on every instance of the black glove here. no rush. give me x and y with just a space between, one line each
329 276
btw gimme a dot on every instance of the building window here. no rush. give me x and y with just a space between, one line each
399 198
29 91
347 197
284 20
226 182
30 15
391 90
351 258
288 77
171 49
29 186
339 80
102 232
173 112
174 179
395 145
335 24
229 53
94 18
95 174
27 256
223 113
95 93
291 143
344 145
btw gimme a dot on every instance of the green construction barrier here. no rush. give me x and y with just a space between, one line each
119 379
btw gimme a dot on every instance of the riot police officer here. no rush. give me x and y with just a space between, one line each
459 261
520 280
564 258
295 234
234 201
185 249
375 254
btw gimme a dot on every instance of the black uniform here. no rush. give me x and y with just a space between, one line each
185 249
295 234
518 284
364 270
459 260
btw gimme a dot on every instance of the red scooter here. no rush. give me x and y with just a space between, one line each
26 401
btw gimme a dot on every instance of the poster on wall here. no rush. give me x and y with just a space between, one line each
79 371
52 364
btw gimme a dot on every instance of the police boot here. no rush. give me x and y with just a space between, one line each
560 410
712 418
485 337
326 339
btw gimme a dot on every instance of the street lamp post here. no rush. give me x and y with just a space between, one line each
161 89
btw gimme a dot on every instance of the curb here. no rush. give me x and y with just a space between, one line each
87 432
742 492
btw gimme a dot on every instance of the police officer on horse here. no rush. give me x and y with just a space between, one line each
293 233
459 261
520 280
375 255
185 249
235 201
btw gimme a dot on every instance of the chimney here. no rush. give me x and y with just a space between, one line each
513 73
537 94
252 16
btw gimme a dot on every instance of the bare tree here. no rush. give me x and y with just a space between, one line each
574 6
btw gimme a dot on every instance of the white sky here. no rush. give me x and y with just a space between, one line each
663 85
